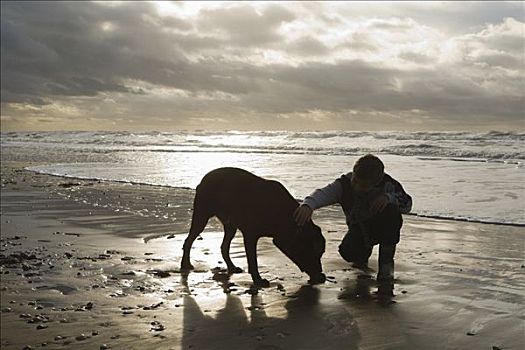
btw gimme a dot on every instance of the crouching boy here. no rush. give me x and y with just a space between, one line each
372 202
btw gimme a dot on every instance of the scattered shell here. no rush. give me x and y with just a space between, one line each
153 306
81 337
157 326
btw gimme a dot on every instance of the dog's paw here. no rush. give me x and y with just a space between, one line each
262 283
317 279
234 269
186 267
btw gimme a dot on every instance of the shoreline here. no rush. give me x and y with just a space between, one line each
428 216
77 273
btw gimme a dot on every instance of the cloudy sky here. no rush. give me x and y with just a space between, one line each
262 65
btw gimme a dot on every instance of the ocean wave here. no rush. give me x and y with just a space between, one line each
493 145
52 170
394 135
485 154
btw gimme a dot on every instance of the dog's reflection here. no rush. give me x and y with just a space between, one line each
298 321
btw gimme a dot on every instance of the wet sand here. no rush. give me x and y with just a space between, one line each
94 265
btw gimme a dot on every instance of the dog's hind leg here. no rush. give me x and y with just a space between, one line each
229 233
198 223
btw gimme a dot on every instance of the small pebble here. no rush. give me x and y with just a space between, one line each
59 337
104 347
81 337
41 326
94 333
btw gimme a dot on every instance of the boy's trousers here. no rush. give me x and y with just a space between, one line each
382 229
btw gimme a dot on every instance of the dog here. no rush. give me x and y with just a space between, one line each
258 208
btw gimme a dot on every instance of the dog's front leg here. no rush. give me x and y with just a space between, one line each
250 245
229 233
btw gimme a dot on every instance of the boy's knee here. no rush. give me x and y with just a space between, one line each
386 225
391 216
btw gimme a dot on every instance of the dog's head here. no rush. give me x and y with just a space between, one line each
305 247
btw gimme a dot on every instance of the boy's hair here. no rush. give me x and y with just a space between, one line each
369 169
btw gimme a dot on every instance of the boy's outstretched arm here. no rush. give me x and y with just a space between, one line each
330 194
302 214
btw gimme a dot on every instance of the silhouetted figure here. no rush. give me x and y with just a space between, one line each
257 207
372 202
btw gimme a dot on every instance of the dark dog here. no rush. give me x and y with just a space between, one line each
258 207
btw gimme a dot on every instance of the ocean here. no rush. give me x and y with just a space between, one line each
451 175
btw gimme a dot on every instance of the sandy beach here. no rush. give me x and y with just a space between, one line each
77 273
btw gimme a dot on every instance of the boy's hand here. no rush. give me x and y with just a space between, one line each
302 214
379 203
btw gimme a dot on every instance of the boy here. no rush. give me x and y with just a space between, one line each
372 202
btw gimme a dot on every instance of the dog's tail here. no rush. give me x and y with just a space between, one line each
201 212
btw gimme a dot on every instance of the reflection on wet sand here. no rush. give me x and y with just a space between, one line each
307 323
360 289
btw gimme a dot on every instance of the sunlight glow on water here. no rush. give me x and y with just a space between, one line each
462 175
466 190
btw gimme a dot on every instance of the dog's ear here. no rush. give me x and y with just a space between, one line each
301 231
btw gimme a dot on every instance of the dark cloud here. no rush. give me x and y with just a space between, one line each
244 25
391 25
416 57
361 41
129 60
308 46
